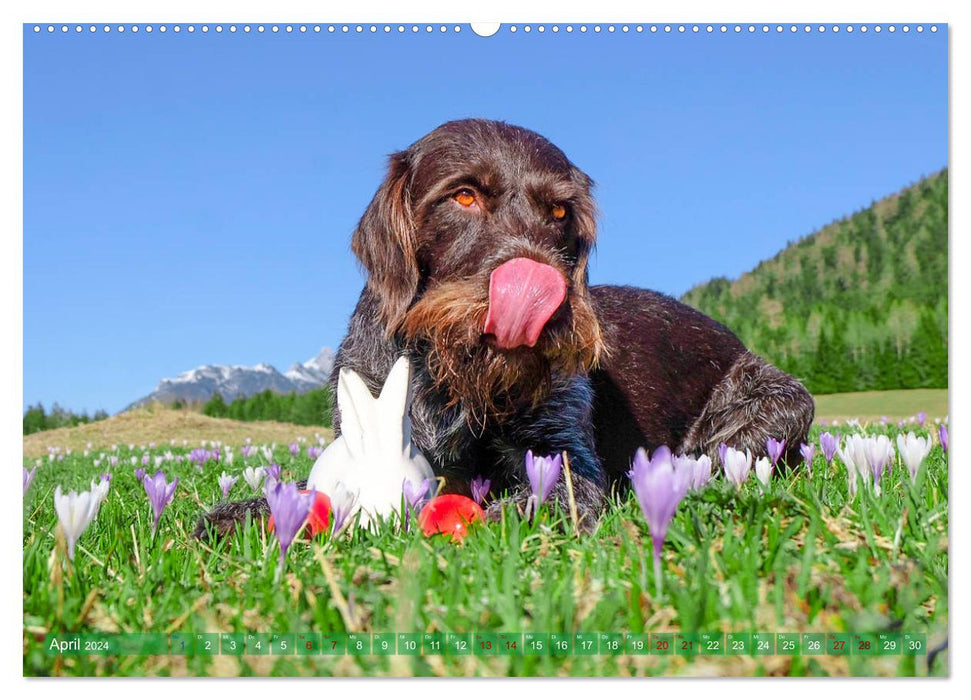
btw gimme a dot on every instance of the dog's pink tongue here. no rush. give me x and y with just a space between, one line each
523 295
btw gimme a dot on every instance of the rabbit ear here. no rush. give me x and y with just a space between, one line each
357 410
394 406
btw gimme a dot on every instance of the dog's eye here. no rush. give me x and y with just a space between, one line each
559 212
465 197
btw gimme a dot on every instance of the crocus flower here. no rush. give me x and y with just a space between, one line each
313 451
414 494
853 455
699 468
113 461
273 472
808 452
75 511
294 449
253 477
343 503
829 445
226 483
140 474
480 489
160 494
721 453
942 436
543 473
318 519
737 465
913 451
763 472
290 509
247 450
921 417
99 491
659 487
879 453
267 452
29 478
774 448
145 460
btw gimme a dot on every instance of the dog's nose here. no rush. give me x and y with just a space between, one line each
523 296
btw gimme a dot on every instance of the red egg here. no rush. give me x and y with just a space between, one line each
450 515
318 520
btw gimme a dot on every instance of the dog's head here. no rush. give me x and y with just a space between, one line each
476 246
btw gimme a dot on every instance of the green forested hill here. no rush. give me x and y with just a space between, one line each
860 304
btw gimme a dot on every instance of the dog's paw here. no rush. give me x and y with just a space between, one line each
222 520
588 502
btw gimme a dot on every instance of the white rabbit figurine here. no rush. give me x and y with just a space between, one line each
373 455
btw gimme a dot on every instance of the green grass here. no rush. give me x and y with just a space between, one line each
873 405
802 558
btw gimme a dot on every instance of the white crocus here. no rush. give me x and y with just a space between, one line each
75 511
737 465
853 455
913 451
254 477
763 471
99 492
879 453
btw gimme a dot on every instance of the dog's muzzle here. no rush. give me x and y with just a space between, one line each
523 296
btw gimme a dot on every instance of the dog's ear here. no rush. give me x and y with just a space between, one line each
585 223
385 244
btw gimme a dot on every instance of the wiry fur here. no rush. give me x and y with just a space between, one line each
616 368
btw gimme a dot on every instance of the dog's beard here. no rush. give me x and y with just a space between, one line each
488 382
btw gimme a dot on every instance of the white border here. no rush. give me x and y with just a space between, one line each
603 11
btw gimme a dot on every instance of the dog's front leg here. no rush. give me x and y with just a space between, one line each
562 423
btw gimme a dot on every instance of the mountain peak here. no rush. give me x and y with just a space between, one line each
239 381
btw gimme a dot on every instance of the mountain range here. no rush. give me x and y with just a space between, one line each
237 381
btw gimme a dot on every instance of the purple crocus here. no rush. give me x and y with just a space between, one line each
160 494
698 468
145 460
289 508
659 487
808 452
140 474
480 489
247 450
921 417
942 436
415 493
28 478
828 444
199 456
226 483
273 472
774 448
543 473
294 449
722 448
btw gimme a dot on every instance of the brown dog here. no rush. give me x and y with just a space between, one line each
476 249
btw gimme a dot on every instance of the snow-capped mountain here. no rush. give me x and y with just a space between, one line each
237 381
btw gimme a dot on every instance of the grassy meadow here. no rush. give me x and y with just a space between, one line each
802 557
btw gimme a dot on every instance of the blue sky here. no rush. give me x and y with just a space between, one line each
189 199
